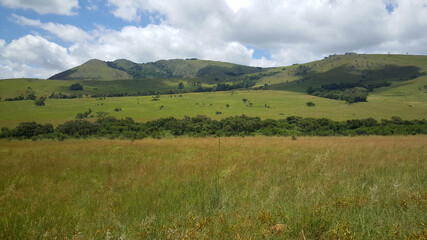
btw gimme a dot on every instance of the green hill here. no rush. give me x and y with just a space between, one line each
92 70
176 68
333 76
349 68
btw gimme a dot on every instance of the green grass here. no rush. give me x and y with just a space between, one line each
175 68
92 70
282 104
347 68
210 188
10 88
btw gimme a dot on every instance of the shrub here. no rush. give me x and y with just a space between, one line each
78 128
76 87
31 129
84 115
40 101
310 104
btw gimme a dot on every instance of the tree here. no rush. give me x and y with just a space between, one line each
155 98
180 85
76 87
40 101
310 104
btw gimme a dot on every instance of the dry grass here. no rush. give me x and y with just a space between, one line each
185 188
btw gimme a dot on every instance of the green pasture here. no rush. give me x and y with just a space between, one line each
265 104
10 88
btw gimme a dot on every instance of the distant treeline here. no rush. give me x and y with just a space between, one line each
201 126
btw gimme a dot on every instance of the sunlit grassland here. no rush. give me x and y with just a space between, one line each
10 88
211 188
265 104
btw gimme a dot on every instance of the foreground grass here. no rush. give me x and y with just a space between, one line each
210 188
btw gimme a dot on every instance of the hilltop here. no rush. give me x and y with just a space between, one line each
176 68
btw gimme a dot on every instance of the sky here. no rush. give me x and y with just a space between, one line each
39 38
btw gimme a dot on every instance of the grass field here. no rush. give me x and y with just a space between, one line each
10 88
406 101
210 188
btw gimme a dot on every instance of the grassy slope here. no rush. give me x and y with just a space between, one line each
190 68
282 104
174 68
318 188
347 68
10 88
92 70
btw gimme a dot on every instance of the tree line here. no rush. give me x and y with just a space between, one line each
202 126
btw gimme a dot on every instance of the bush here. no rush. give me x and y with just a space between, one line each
76 87
310 104
31 129
40 101
78 128
84 115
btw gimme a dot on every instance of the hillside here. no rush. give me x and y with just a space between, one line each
351 77
92 70
348 68
176 68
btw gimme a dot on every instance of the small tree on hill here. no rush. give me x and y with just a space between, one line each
40 101
76 87
180 85
310 104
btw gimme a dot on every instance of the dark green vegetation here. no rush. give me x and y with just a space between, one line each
211 188
201 126
76 87
40 101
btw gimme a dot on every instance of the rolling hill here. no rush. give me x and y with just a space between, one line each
176 68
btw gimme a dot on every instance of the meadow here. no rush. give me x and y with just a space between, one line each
215 188
405 100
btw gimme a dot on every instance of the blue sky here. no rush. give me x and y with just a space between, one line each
39 38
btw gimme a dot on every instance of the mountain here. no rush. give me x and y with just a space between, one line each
175 68
350 68
92 70
349 77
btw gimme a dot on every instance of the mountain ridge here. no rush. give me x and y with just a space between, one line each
96 69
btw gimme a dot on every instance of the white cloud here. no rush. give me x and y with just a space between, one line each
33 56
65 32
323 27
154 42
60 7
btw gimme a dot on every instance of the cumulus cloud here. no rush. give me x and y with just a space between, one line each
61 7
65 32
321 27
33 56
154 42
